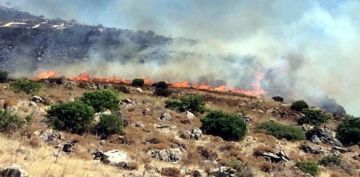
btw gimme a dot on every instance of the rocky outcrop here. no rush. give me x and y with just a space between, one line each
323 135
165 116
275 157
195 133
308 148
112 157
168 155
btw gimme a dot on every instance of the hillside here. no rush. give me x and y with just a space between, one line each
159 141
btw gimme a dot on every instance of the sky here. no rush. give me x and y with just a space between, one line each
322 34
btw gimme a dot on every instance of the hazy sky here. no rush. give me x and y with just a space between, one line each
324 33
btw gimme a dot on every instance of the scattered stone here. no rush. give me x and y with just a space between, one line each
195 133
165 116
307 127
13 171
275 157
139 90
168 155
190 115
311 149
223 172
340 149
112 157
146 111
50 136
196 173
127 101
38 99
68 147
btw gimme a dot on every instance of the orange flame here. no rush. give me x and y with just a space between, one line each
256 90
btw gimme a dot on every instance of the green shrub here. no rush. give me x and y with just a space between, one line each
278 99
313 117
309 167
228 126
162 89
331 160
173 104
348 131
3 76
138 82
75 117
299 105
101 100
278 130
25 85
109 124
193 103
10 122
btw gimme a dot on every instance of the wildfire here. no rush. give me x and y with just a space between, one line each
256 90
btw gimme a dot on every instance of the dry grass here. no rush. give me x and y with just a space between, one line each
40 162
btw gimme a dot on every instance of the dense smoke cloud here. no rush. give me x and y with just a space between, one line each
307 49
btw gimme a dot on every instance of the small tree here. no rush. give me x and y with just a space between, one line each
278 130
299 105
109 124
278 99
348 131
3 76
228 126
138 82
25 85
309 167
75 117
101 100
10 122
313 117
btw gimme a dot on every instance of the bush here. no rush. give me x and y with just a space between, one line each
109 124
278 130
3 76
331 160
161 89
138 82
25 85
193 103
299 105
313 117
309 167
75 117
122 89
278 98
10 122
228 126
348 131
101 100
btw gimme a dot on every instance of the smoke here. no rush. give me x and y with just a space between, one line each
307 49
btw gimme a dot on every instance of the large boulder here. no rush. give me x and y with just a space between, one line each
50 136
308 148
168 155
190 115
112 157
13 171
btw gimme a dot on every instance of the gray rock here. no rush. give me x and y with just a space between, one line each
315 139
168 155
112 157
13 171
324 135
165 116
311 149
222 172
340 149
276 157
50 136
195 133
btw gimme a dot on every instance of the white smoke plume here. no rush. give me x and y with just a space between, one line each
307 49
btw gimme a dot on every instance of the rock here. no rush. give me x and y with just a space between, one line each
127 101
38 99
223 172
190 115
168 155
195 133
68 147
2 103
324 135
139 90
307 127
311 149
340 149
13 171
112 157
196 173
165 116
146 111
276 158
50 136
